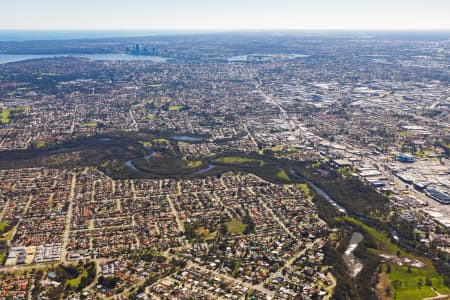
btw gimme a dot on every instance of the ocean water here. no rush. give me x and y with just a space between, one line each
30 35
48 35
8 58
51 35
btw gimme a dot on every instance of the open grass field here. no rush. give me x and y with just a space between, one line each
175 107
89 124
305 189
383 241
5 231
283 175
7 236
161 141
149 117
275 149
236 160
145 143
5 113
155 85
194 164
410 289
235 226
3 227
75 282
205 233
4 116
40 144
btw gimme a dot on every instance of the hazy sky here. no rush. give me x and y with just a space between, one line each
224 14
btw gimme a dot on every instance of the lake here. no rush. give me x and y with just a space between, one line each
8 58
186 138
265 57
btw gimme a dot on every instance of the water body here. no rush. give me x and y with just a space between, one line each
147 157
126 57
209 168
322 193
186 138
238 58
327 197
265 57
52 35
352 262
61 150
129 164
8 58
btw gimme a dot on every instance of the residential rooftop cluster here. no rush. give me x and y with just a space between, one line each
237 226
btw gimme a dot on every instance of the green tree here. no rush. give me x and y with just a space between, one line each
223 229
396 285
388 268
420 283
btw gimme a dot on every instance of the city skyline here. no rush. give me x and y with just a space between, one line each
225 15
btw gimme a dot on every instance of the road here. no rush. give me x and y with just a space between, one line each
72 126
175 213
225 208
250 136
293 126
231 279
68 218
278 220
331 287
287 264
135 124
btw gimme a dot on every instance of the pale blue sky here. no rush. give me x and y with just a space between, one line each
224 14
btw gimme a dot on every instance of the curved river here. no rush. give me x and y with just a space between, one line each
322 193
327 197
130 164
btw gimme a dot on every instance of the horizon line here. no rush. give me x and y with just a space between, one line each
226 29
